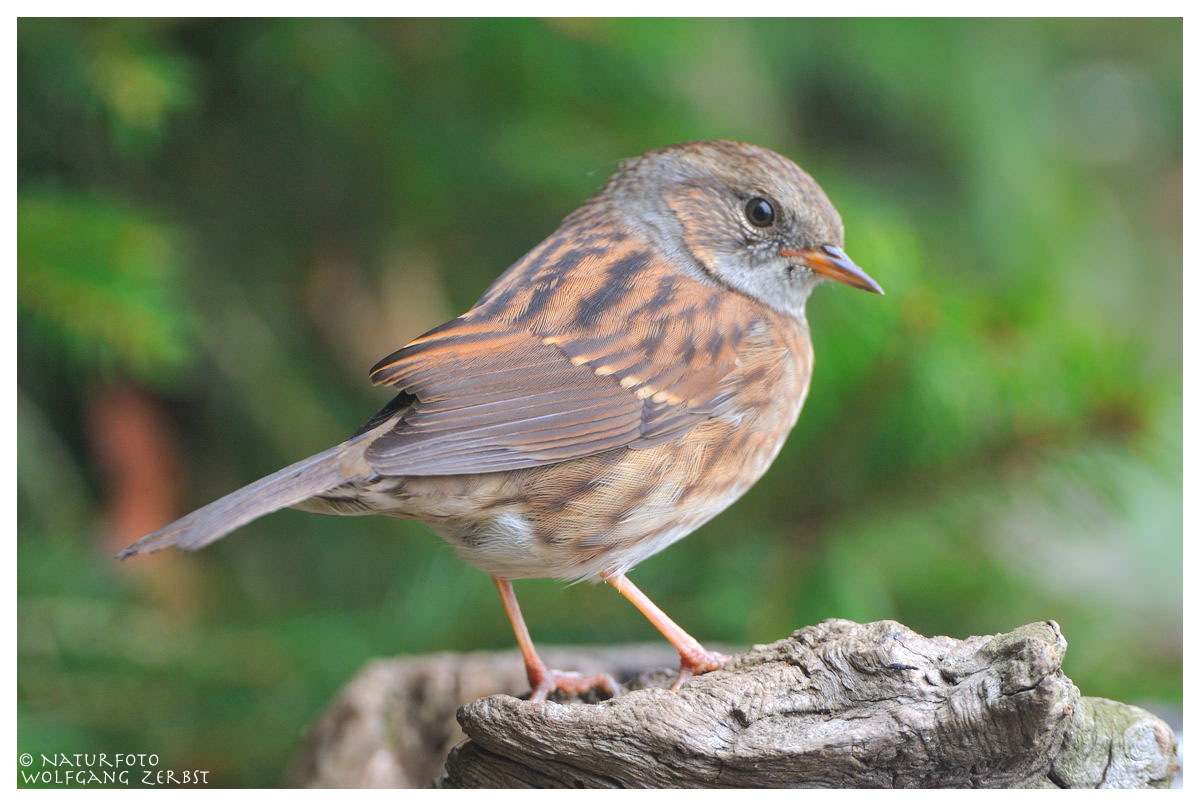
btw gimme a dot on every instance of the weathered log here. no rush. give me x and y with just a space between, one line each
394 723
835 705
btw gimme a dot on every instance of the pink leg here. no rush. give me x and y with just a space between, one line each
542 680
693 658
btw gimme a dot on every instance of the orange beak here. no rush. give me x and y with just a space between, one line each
836 265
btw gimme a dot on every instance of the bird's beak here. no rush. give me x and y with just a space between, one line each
836 265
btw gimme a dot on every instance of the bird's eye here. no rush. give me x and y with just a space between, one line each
760 212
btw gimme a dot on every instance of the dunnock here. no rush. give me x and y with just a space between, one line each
616 388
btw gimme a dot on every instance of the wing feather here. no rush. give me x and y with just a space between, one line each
527 378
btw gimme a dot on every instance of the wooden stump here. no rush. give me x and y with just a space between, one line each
839 704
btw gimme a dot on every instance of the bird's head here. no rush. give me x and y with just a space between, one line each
746 216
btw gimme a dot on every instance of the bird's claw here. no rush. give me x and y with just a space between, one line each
547 681
697 662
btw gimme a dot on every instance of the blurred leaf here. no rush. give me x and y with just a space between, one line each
140 83
98 280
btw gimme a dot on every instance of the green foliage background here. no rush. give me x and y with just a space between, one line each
241 216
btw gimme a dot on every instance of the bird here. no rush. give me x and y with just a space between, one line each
618 386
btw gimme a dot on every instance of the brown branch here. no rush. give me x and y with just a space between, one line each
835 705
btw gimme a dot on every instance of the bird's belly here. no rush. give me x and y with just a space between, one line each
604 514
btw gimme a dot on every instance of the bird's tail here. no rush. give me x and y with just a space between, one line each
283 488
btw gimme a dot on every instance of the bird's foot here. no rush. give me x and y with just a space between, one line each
547 681
697 661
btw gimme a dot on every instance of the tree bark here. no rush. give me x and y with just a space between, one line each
838 704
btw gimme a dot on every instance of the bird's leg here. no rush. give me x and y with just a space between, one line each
693 658
543 680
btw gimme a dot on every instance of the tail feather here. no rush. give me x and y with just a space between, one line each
283 488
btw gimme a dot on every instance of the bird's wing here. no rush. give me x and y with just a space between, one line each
561 365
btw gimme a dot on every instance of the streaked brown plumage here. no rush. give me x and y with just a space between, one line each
617 387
